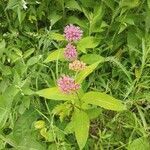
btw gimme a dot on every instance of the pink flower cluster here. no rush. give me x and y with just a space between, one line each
72 33
77 65
67 84
70 52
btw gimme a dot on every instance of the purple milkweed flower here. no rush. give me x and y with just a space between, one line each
72 33
70 52
67 84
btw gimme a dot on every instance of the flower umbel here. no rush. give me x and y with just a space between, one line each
77 65
67 84
72 33
70 52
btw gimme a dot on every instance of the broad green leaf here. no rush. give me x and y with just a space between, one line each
69 128
55 94
57 37
129 3
148 3
83 74
139 144
87 42
94 113
92 58
72 4
96 21
28 52
33 60
81 127
54 17
103 100
55 55
79 22
23 131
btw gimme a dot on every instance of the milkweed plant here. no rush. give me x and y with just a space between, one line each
75 102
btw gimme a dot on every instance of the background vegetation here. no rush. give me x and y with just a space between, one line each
30 30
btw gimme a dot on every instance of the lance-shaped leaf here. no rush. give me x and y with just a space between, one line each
57 36
92 58
83 74
55 94
87 42
81 127
55 55
103 100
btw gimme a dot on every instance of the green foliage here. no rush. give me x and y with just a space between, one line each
103 100
110 111
81 127
87 42
55 94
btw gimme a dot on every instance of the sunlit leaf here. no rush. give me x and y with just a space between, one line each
55 55
55 94
92 58
103 100
83 74
87 42
139 144
81 127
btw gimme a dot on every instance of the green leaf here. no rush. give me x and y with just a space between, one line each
54 17
103 100
74 20
28 52
148 3
139 144
87 42
94 113
39 124
109 3
12 4
83 74
72 4
48 135
114 60
55 55
95 25
81 127
33 60
2 47
130 4
92 58
57 37
55 94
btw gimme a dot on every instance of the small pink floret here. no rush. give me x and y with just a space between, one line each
72 33
70 52
67 85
